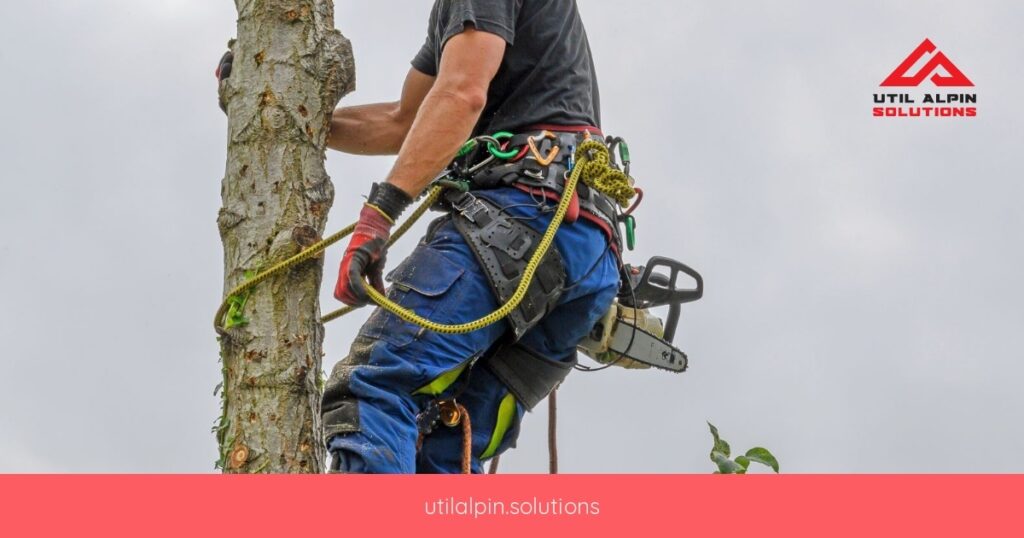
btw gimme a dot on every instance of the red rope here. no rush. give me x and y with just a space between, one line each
639 198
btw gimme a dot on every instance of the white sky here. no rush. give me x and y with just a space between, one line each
863 306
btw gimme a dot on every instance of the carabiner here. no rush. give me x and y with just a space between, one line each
467 146
496 151
544 161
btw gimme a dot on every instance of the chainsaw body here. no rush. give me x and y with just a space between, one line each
629 335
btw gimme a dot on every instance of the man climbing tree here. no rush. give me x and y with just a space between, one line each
521 67
522 70
288 69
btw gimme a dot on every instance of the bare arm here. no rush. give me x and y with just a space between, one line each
380 128
450 110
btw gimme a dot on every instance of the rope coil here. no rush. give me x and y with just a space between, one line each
600 175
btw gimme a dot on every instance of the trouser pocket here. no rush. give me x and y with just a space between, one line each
422 283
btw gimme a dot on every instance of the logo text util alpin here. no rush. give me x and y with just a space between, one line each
941 71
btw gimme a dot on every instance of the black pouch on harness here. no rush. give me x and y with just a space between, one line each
503 246
528 376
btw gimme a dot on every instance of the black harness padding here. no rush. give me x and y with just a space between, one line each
528 376
503 246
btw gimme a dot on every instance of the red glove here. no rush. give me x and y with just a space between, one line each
365 255
367 249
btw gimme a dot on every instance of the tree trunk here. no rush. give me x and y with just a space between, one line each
290 69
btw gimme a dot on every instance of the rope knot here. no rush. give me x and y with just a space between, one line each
599 174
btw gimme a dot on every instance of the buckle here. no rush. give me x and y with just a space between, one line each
470 206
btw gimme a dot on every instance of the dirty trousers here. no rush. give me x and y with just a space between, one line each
395 369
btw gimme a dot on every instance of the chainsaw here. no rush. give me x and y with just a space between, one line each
629 335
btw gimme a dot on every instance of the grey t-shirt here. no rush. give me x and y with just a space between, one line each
547 75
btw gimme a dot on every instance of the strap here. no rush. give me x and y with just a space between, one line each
528 376
503 246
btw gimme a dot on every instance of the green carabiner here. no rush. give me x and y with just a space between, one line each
496 151
624 155
630 222
624 152
466 148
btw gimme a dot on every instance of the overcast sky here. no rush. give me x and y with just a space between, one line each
863 310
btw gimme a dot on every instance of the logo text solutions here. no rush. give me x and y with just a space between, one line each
942 72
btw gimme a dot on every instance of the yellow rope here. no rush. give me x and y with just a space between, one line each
599 175
431 199
592 164
279 267
315 249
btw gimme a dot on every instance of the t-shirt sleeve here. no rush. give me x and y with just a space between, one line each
450 18
425 60
494 16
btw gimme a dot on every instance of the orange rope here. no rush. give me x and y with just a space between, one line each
467 440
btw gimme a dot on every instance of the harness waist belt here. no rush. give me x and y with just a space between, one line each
547 174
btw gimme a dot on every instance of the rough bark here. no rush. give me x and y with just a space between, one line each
291 67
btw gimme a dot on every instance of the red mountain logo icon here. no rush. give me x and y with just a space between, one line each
899 76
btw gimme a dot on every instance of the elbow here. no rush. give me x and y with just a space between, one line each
400 115
470 97
475 98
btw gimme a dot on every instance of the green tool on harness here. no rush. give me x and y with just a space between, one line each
623 149
630 223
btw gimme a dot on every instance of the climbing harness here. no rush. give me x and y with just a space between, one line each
588 151
542 169
526 274
503 245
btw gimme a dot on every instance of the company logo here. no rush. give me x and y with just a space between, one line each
942 72
899 76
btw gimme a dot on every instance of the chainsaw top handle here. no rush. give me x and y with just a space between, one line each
650 289
655 289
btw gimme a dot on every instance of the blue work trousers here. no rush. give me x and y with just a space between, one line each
395 368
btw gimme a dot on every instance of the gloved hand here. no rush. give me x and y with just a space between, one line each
224 71
367 250
224 66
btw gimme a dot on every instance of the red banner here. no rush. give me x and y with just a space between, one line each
510 505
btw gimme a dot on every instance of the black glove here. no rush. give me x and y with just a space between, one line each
224 66
224 71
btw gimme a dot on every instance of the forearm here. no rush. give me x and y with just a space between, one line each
445 121
373 129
